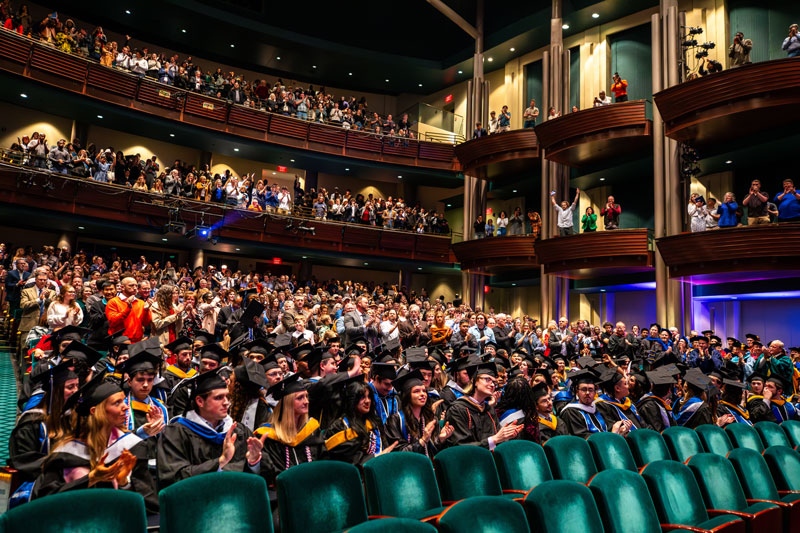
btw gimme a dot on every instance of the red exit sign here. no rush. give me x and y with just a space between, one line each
281 169
448 98
277 261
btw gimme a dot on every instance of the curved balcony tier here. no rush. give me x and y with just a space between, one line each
763 251
148 212
732 104
496 254
45 64
598 134
597 253
510 152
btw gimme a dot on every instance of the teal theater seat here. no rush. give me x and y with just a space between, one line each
562 506
393 525
610 489
647 446
772 435
570 458
521 465
792 430
402 484
744 436
714 439
483 514
682 442
466 471
610 451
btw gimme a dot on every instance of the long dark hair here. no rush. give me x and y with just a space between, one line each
352 396
518 394
412 424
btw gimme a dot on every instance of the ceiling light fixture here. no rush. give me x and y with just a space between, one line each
23 95
292 160
81 227
238 249
99 116
235 149
490 59
513 284
419 268
449 205
366 264
420 85
399 177
278 58
305 257
565 26
515 190
172 135
184 31
602 179
349 73
274 173
127 11
233 46
512 49
313 66
387 80
164 239
728 162
595 15
461 72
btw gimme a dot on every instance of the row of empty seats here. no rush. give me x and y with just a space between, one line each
738 479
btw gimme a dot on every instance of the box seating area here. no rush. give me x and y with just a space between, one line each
737 479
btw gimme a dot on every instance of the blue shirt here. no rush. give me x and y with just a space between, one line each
727 214
789 207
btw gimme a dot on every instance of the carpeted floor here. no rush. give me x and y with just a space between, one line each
8 401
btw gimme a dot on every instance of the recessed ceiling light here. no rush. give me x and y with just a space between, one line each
127 11
81 227
184 31
461 72
235 149
420 85
99 116
513 284
728 162
274 173
238 249
490 59
399 177
449 205
595 15
172 135
602 179
515 190
387 80
366 263
164 239
305 257
602 290
233 46
565 26
349 73
23 95
313 66
419 268
347 169
292 160
512 49
278 58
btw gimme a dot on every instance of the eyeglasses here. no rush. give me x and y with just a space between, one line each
586 389
487 380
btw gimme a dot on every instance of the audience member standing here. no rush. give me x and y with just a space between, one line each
697 212
601 100
739 51
504 122
792 43
788 203
727 211
589 220
620 89
530 115
756 203
610 214
565 210
128 312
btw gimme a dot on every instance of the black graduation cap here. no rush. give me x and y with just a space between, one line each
466 349
609 378
582 376
546 372
251 375
331 340
270 362
734 340
734 383
715 339
752 336
80 352
408 380
313 358
299 353
258 346
514 371
697 379
71 333
438 355
207 382
345 364
488 343
502 361
384 370
214 352
660 377
587 362
59 373
778 381
143 361
457 364
697 338
657 325
756 376
151 346
253 310
118 339
539 390
418 359
794 349
670 369
707 332
91 394
282 342
181 343
286 386
390 345
489 369
354 349
715 374
204 336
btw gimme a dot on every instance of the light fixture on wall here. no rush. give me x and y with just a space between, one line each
565 26
595 15
461 72
23 95
512 49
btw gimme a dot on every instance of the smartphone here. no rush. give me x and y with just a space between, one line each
552 193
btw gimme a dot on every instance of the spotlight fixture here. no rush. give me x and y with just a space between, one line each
183 31
565 26
595 15
235 149
23 95
127 11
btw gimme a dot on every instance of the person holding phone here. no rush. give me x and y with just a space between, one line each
792 43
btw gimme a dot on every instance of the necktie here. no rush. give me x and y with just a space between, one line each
41 304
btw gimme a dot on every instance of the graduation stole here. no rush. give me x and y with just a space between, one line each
310 427
348 434
620 407
202 430
550 423
387 409
136 405
590 425
180 373
791 412
684 410
33 401
511 416
738 413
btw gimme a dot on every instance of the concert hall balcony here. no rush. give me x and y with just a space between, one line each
597 253
597 134
500 154
496 254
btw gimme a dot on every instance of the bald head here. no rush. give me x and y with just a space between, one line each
129 286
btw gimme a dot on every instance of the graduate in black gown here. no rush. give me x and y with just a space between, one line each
655 407
517 405
181 350
248 406
615 404
212 356
95 453
549 424
291 437
473 417
693 410
731 403
582 416
357 436
202 440
415 427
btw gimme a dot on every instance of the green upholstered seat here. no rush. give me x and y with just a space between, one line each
757 482
521 465
678 499
647 446
562 506
466 471
721 490
483 514
714 439
402 484
610 451
772 435
682 442
570 458
612 488
393 525
784 464
196 503
80 511
792 430
744 436
319 497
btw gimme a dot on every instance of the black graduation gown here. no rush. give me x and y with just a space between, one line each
142 477
28 444
547 430
703 415
173 375
449 395
395 430
651 410
576 423
307 446
183 453
343 443
759 411
471 424
324 399
178 401
612 416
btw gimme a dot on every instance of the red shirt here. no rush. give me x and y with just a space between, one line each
131 317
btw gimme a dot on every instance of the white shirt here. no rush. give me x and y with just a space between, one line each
602 101
58 316
565 216
283 200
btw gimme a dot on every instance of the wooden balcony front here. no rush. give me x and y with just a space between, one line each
597 253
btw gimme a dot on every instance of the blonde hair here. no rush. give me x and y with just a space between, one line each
63 294
94 430
282 419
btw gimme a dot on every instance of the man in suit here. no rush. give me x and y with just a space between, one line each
15 281
229 314
501 333
561 340
358 324
478 132
414 331
34 302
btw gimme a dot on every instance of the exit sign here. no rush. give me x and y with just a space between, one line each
448 98
281 168
277 261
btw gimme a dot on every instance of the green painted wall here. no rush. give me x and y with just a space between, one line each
574 77
631 57
765 22
534 87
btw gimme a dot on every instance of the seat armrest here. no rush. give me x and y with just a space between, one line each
665 527
779 504
514 491
717 512
785 492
